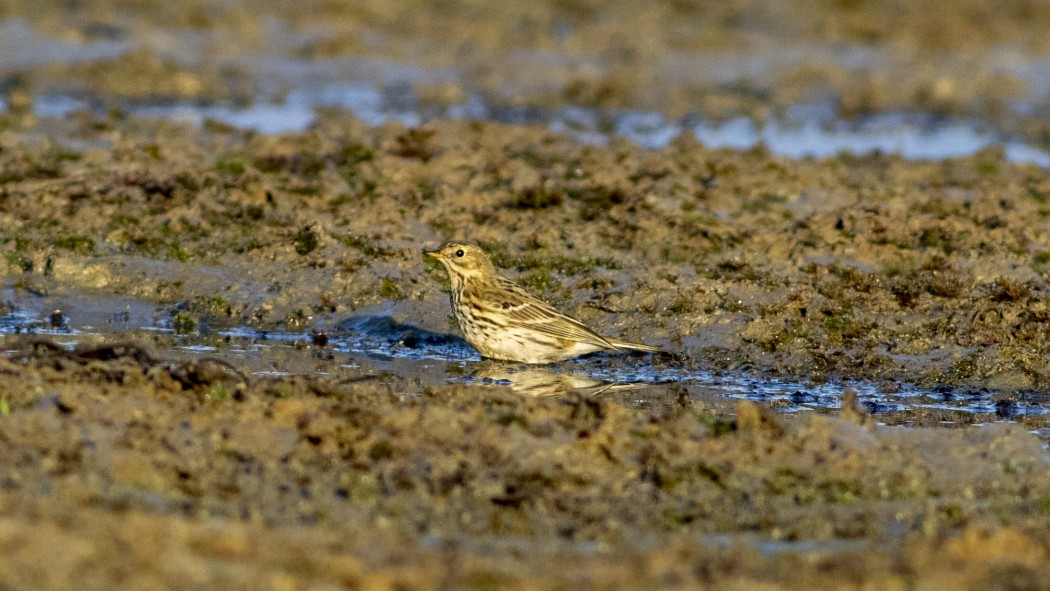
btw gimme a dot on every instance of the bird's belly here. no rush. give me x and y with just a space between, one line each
523 345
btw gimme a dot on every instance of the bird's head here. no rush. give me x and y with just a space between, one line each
464 259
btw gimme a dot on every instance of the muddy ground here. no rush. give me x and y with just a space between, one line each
871 267
129 464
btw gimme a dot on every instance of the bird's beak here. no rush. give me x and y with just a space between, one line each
433 253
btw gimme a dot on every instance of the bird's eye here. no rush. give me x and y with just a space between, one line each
459 253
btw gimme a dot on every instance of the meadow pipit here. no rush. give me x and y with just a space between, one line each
503 321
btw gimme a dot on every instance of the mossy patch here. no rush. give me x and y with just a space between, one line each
82 245
184 322
390 290
307 240
364 246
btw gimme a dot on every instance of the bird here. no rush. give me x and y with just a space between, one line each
504 322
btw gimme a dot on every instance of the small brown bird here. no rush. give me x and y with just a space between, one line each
503 321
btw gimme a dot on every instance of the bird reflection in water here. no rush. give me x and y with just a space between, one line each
530 380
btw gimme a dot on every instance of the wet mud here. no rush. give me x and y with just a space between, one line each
153 473
227 365
877 268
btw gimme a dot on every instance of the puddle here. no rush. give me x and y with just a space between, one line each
772 547
806 131
912 136
295 114
21 47
379 347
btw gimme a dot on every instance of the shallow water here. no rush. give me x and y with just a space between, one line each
807 131
378 347
21 47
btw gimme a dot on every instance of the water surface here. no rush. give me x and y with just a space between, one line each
380 348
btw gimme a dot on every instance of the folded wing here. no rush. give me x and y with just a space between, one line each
523 310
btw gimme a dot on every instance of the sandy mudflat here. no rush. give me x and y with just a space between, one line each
127 462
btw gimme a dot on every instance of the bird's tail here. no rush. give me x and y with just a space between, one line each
635 346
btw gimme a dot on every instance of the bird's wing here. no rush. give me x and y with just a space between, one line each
524 310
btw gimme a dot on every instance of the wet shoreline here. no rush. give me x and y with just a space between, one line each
374 344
